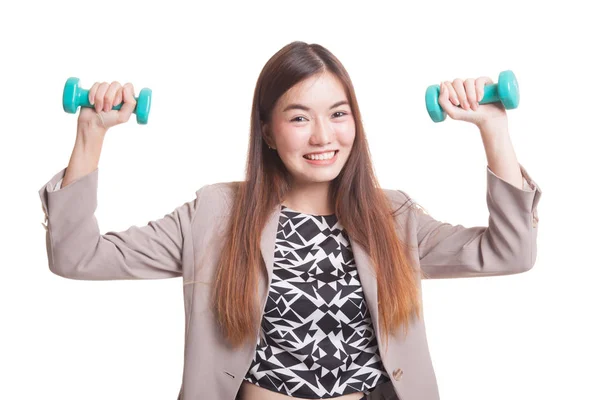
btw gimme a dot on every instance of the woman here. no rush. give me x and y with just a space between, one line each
302 281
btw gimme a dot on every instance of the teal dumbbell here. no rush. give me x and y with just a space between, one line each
506 91
74 97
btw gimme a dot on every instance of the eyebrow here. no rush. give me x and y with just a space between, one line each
301 107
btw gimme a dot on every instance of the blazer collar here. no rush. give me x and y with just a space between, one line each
362 260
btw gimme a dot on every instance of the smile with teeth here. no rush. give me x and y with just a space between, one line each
322 156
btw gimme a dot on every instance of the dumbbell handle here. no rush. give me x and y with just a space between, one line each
490 94
83 100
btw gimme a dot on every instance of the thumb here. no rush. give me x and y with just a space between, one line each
129 103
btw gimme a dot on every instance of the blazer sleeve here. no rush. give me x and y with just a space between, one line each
508 245
76 249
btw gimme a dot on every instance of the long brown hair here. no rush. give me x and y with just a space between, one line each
360 205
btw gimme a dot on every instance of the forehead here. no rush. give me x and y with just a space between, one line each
318 90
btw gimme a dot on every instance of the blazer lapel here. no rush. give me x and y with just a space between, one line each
267 248
364 266
368 281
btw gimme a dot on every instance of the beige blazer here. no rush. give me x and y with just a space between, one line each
186 243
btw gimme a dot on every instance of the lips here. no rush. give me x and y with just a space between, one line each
320 153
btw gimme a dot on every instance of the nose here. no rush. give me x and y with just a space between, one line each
323 133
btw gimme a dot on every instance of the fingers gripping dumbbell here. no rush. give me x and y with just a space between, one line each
506 91
74 97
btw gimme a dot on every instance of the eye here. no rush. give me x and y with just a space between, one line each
337 112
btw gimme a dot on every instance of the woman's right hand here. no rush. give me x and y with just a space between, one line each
97 120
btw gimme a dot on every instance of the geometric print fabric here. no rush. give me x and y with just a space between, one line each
319 339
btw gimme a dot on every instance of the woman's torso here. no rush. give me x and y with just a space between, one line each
320 339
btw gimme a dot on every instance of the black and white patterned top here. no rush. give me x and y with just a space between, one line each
320 341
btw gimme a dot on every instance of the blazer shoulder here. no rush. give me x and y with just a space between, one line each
219 195
400 200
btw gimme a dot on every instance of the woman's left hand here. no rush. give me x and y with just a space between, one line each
467 94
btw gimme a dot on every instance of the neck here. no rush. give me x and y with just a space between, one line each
310 198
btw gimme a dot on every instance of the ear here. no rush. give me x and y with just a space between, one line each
267 135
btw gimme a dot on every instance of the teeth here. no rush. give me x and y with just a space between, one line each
324 156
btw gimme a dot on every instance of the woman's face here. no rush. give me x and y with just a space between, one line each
313 117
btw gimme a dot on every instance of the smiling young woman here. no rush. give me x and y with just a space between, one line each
303 281
309 153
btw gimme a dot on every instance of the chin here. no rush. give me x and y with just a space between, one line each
319 178
306 174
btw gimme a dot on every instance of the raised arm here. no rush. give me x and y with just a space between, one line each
508 245
77 250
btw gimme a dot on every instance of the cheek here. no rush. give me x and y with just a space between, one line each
292 145
293 140
347 134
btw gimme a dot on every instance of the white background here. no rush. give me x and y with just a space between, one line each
525 336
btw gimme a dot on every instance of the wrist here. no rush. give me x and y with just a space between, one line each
89 144
493 127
